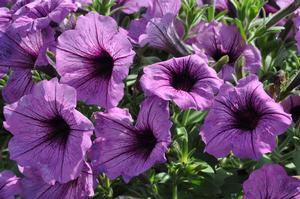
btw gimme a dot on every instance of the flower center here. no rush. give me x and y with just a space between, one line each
219 54
295 111
60 129
103 65
146 142
233 53
183 81
247 120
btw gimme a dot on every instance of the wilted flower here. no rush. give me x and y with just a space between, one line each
157 9
188 81
132 6
40 14
127 150
291 105
243 119
80 188
9 185
19 4
6 3
220 5
49 134
23 54
272 182
161 33
283 3
95 59
5 18
82 3
218 40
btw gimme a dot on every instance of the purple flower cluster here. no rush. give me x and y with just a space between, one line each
53 143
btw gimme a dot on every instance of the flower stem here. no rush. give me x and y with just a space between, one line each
283 13
174 188
286 141
185 118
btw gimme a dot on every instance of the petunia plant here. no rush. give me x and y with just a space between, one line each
160 99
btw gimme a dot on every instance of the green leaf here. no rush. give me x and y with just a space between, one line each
296 160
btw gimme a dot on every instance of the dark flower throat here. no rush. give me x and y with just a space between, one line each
183 80
60 129
104 64
145 142
246 119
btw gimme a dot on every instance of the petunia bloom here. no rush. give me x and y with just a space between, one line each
83 3
132 6
188 81
6 3
22 54
5 18
218 40
19 4
9 185
291 105
220 5
243 119
80 188
122 149
49 134
95 59
156 9
272 182
161 33
283 3
40 14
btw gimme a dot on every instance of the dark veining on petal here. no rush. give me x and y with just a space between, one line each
145 142
235 50
218 54
183 79
246 119
104 64
60 130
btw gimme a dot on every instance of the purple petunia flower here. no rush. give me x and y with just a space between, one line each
9 185
95 59
6 3
3 3
23 54
49 134
80 188
5 18
218 40
220 5
292 105
188 81
40 14
127 150
83 3
156 9
19 4
272 182
243 119
161 33
296 21
132 6
283 3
